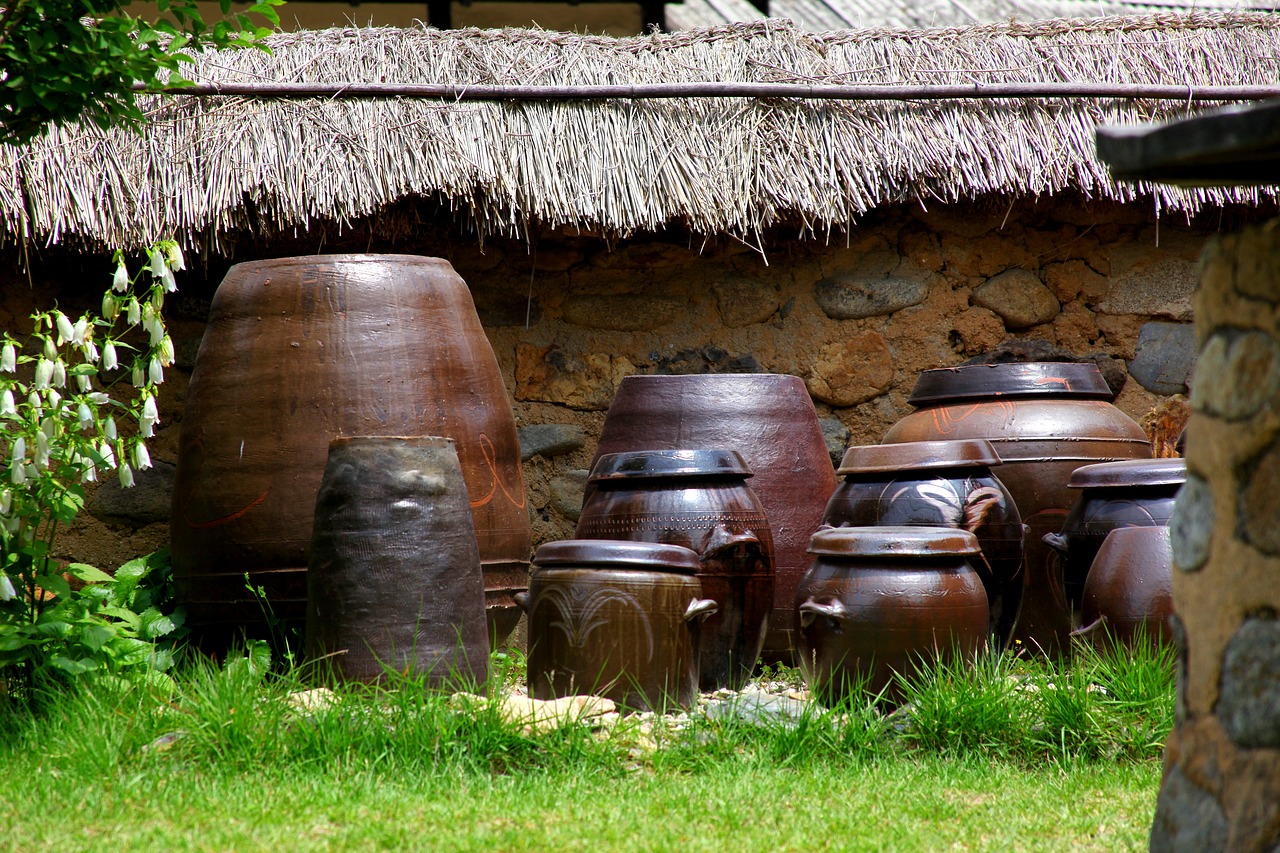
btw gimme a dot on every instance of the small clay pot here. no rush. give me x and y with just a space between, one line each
879 601
615 619
1132 493
394 579
1129 591
699 499
940 484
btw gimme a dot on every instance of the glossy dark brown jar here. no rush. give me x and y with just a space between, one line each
1132 493
616 619
394 579
1129 591
1045 419
940 484
879 600
699 499
299 351
768 418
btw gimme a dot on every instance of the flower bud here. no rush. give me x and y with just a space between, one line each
9 358
50 349
109 360
34 401
110 306
6 501
109 428
54 398
59 374
41 455
18 453
17 473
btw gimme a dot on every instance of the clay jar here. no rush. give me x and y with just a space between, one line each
940 484
769 419
393 579
1132 493
881 600
1045 419
615 619
699 499
299 351
1128 595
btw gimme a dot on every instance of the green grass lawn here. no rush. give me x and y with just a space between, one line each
1003 756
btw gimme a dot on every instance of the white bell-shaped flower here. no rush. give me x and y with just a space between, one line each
7 592
173 254
108 455
109 428
139 376
44 374
120 281
109 359
7 406
141 458
110 306
66 331
133 314
6 501
126 476
158 267
149 410
8 358
155 372
59 374
84 383
41 455
84 416
165 351
50 349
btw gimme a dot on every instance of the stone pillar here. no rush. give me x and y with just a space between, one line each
1221 785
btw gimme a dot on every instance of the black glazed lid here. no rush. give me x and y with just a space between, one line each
646 464
918 455
1130 472
1026 379
893 542
618 554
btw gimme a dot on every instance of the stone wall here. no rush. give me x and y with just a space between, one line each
857 316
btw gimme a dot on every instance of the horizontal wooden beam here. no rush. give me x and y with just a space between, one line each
806 91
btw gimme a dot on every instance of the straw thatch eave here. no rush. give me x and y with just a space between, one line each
208 167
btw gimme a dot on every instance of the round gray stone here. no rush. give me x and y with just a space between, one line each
148 502
549 440
1166 354
1188 819
1249 699
1019 297
835 435
852 297
1238 373
1191 525
567 491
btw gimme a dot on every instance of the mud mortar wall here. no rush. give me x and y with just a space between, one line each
858 317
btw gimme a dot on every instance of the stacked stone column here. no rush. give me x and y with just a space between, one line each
1221 784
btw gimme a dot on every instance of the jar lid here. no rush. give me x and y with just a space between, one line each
918 455
645 464
1130 472
1025 379
618 554
893 541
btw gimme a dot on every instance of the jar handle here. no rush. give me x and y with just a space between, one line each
722 539
811 610
522 600
1057 542
700 608
1092 628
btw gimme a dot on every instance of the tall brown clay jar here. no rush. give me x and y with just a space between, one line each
940 484
768 418
699 499
616 619
879 601
299 351
1045 419
394 580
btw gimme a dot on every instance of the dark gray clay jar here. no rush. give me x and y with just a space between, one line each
394 578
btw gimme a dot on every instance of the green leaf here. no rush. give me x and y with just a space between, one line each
155 624
96 636
88 573
77 666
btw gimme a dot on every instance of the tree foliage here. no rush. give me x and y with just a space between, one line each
64 60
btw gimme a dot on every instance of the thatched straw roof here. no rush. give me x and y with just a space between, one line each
211 166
